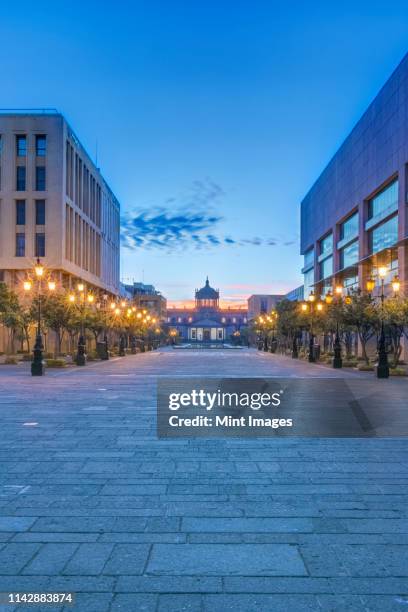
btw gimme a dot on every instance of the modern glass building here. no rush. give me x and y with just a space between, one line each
354 218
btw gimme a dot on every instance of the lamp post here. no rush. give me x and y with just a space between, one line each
37 366
337 362
295 353
310 307
83 298
272 318
383 370
105 355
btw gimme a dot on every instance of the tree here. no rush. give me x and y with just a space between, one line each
290 321
56 316
361 314
395 316
9 312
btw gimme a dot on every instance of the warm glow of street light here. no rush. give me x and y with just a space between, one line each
319 306
39 269
328 298
304 307
370 284
139 315
90 298
51 285
80 287
27 285
134 308
339 289
382 271
113 305
117 311
148 318
72 298
396 284
312 296
153 321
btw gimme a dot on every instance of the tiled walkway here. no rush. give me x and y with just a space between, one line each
92 502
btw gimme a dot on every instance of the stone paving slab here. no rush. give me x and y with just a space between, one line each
91 501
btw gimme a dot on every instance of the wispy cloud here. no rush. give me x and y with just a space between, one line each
187 222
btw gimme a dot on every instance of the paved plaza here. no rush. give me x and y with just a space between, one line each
92 502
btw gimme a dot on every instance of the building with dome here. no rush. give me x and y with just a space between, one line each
207 322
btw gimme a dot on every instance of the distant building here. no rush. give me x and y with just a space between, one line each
146 296
207 322
260 304
296 295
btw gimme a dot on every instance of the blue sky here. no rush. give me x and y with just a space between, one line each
212 118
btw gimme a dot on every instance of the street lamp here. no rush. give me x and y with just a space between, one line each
337 360
83 298
273 318
310 307
37 368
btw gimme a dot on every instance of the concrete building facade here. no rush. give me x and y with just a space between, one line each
262 304
147 297
354 218
55 205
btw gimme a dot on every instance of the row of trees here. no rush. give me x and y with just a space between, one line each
358 317
66 320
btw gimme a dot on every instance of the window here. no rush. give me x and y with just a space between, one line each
309 258
20 245
40 145
21 146
326 245
21 178
384 235
349 229
20 212
349 255
40 178
40 245
40 212
193 334
387 199
326 267
308 282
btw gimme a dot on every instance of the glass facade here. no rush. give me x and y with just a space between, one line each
40 212
21 146
40 245
326 267
40 178
40 145
349 255
20 212
386 199
309 258
20 245
21 178
349 229
308 282
384 235
326 245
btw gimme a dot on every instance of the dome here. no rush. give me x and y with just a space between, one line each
207 292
